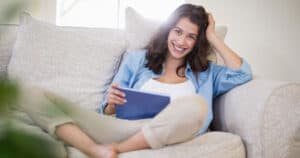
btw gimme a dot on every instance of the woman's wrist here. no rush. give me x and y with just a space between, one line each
213 39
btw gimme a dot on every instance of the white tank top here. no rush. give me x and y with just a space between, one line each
174 90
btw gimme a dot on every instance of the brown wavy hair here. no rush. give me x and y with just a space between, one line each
158 45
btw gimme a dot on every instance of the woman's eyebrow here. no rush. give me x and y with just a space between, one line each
177 27
193 34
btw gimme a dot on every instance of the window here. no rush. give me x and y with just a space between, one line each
110 13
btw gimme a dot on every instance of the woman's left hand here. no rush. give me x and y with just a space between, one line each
210 31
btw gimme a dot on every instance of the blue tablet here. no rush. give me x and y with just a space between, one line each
141 105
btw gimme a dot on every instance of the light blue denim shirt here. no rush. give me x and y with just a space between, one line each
214 81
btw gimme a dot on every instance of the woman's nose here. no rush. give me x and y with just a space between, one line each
181 40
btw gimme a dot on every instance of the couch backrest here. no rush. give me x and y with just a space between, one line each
76 63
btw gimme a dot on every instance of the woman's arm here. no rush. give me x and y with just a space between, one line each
237 70
129 65
230 58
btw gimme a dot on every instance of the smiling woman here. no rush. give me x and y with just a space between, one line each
109 13
175 57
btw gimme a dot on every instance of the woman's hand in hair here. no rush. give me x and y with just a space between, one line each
114 97
230 58
210 31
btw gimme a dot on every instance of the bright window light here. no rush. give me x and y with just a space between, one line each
110 13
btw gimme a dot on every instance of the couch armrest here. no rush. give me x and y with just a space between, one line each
266 114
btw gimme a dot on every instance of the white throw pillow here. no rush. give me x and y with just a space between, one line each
140 30
75 63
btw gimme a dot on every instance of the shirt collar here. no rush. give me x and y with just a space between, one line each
188 68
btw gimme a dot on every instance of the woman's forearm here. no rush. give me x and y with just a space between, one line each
230 58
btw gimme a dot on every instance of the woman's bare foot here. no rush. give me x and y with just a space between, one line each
103 151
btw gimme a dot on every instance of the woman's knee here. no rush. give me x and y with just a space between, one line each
179 123
202 105
193 114
192 106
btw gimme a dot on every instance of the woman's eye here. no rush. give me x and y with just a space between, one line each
178 32
192 37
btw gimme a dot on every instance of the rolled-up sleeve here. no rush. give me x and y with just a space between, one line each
226 78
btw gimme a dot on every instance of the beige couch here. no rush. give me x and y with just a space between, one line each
260 119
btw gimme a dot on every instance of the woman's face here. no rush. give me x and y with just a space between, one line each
182 38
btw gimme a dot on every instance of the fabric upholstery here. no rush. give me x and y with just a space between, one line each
281 122
74 63
140 30
265 114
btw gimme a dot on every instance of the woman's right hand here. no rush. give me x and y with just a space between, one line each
114 97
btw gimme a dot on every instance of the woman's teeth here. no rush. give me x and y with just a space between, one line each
179 49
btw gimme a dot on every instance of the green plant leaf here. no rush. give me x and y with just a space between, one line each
9 93
18 144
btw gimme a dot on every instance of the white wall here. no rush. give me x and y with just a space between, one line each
265 32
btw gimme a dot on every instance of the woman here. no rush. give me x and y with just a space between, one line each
174 62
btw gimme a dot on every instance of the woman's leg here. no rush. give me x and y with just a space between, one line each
175 124
102 128
78 127
179 122
73 135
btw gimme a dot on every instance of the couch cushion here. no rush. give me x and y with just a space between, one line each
209 145
140 30
8 35
72 62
